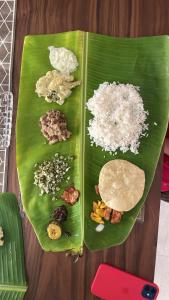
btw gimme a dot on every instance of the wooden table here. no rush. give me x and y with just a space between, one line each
54 276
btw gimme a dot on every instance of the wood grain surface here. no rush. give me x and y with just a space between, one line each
54 276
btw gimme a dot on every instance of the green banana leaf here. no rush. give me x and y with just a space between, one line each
140 61
12 272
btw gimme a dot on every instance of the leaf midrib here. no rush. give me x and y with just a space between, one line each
16 288
83 101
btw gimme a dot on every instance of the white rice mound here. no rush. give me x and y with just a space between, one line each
118 117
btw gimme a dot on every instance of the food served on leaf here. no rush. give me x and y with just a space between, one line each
54 228
98 212
101 212
54 126
116 216
60 214
121 184
97 189
99 227
54 231
119 117
70 195
50 174
107 213
55 86
63 59
1 236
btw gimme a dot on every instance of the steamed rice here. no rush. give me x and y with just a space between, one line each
118 117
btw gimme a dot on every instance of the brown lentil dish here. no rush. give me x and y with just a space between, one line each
54 126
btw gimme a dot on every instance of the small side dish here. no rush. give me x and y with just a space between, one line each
102 213
55 86
70 195
50 174
1 236
63 59
54 230
98 212
54 126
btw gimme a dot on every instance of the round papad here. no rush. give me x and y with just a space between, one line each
121 184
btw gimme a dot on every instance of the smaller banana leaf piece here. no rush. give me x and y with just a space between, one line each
12 272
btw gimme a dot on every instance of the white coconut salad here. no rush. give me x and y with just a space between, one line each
63 60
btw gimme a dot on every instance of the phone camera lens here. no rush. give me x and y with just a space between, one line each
153 290
149 292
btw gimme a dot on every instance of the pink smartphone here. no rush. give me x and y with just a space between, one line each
113 284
